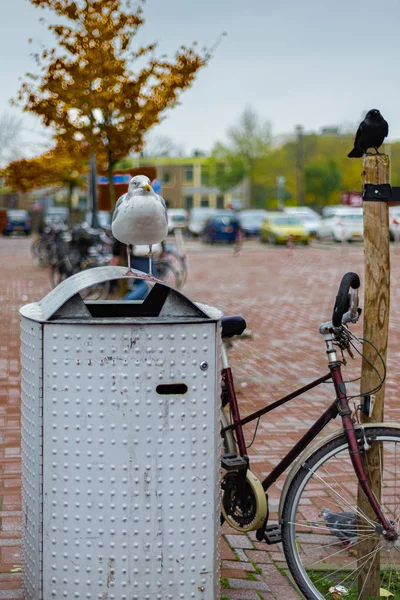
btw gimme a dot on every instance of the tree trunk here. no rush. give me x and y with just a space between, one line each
376 324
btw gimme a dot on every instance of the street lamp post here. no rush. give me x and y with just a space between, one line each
93 191
280 191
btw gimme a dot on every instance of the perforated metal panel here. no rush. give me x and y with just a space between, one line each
131 475
31 449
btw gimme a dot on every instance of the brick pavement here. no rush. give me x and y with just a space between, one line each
284 296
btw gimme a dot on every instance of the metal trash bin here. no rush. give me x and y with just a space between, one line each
120 445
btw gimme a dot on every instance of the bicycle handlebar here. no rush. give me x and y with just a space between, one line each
345 300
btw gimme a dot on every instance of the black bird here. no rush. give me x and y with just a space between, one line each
370 134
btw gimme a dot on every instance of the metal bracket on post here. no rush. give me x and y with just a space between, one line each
377 192
382 192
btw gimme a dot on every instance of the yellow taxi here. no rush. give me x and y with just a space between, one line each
280 228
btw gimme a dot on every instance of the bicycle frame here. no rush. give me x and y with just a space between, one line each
339 407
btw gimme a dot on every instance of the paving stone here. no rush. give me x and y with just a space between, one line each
239 541
248 584
241 594
236 564
258 556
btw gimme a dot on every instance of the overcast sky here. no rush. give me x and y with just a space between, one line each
310 62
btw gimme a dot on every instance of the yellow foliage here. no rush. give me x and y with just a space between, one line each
57 167
87 91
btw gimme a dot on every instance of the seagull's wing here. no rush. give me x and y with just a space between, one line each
162 202
117 206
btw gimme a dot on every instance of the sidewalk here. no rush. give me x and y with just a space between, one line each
262 289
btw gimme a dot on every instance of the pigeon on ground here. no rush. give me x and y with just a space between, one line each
342 524
140 217
370 134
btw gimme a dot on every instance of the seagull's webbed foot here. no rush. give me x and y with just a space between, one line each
150 277
136 275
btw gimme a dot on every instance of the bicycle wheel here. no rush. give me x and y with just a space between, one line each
324 533
168 274
61 270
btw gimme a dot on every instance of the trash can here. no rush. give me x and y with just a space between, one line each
120 445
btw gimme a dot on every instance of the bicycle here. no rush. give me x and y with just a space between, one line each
337 533
87 249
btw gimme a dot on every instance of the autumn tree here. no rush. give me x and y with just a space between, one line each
57 168
10 137
87 89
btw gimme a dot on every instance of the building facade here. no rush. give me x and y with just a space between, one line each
184 184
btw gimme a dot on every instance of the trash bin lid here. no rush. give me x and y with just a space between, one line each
163 303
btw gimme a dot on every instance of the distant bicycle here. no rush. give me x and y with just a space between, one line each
87 249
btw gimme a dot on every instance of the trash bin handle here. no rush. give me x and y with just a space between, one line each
78 282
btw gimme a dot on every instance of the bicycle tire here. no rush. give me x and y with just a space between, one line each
168 274
60 271
321 525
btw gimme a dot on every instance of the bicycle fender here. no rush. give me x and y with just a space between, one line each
305 455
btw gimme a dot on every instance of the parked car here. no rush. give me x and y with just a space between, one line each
331 209
250 221
309 217
279 227
221 227
17 220
394 223
346 224
198 218
56 215
177 219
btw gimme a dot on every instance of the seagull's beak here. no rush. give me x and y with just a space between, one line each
147 187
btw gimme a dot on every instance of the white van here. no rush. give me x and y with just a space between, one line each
177 219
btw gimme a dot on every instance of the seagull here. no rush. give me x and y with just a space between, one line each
140 217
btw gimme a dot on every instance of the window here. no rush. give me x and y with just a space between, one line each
205 176
166 177
188 173
220 202
204 201
188 202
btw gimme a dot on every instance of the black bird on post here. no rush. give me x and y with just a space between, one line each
370 134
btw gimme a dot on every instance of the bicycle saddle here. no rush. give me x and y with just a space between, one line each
232 326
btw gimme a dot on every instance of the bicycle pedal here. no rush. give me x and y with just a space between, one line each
273 534
233 462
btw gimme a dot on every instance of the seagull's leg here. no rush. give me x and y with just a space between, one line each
150 259
129 271
150 276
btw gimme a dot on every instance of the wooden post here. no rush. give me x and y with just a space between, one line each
376 323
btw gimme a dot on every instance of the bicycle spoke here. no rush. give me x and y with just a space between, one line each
345 502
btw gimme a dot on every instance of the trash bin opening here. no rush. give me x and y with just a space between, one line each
172 389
